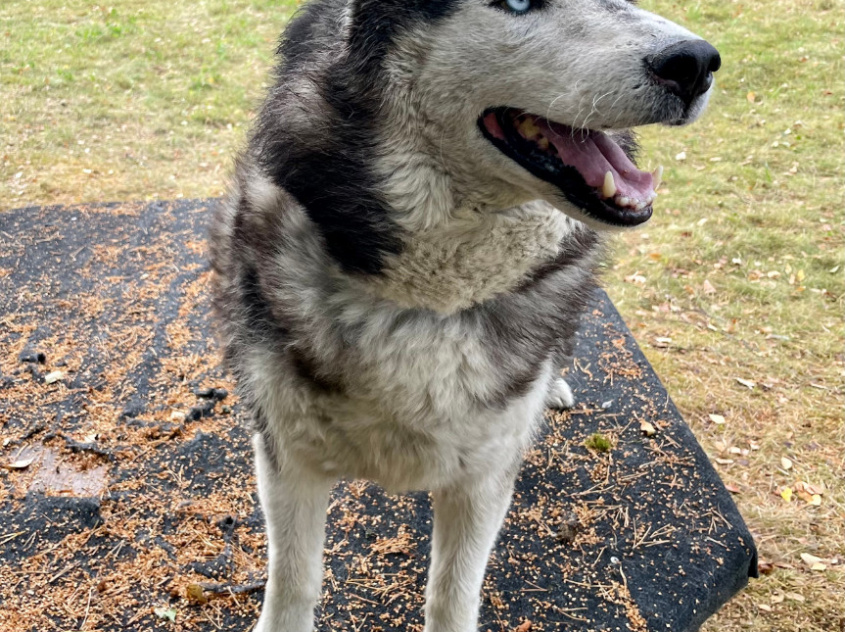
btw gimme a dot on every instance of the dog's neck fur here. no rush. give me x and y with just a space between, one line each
468 235
472 258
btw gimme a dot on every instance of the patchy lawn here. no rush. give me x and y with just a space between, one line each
735 292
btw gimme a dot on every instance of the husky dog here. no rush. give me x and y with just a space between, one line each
408 243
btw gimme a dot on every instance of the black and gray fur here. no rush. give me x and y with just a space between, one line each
396 296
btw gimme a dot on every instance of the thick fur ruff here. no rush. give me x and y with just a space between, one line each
397 296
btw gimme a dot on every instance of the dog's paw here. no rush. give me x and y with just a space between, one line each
560 395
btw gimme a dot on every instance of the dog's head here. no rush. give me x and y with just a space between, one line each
537 95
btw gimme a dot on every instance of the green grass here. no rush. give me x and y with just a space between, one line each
137 100
742 267
743 270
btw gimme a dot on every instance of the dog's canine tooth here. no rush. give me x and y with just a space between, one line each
608 189
656 177
543 143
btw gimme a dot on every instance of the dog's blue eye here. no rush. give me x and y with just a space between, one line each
517 6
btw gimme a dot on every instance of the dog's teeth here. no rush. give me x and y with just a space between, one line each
622 201
657 177
528 128
608 189
543 143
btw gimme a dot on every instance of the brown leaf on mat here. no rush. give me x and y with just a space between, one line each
194 592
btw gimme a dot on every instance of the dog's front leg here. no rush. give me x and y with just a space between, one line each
294 504
467 519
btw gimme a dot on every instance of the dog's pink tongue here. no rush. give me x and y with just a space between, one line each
593 154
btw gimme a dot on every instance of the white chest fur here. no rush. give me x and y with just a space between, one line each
472 258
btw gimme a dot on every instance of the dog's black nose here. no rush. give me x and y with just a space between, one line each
686 68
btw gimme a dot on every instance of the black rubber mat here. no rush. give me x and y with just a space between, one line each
127 494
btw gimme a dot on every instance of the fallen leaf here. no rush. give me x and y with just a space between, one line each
524 626
723 461
785 463
54 376
708 287
764 607
765 568
598 443
733 489
195 593
795 597
717 419
786 494
21 464
746 383
166 613
636 279
815 499
809 559
647 429
751 97
815 490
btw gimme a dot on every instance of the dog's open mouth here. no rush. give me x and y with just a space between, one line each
593 172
